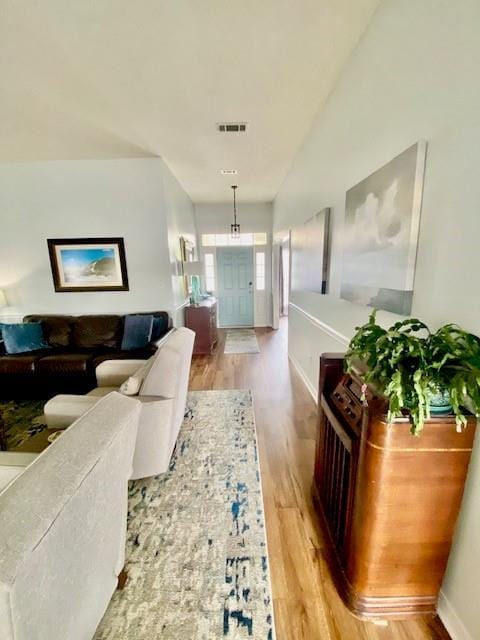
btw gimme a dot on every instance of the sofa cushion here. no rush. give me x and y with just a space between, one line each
22 363
137 331
111 373
62 410
64 364
93 332
23 337
99 392
57 329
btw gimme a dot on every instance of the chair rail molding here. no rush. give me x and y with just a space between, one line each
321 325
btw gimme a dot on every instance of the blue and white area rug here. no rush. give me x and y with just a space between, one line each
241 341
196 549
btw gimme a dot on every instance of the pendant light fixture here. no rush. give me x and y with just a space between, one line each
235 227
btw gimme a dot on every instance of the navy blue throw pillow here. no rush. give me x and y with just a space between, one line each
136 332
21 338
159 327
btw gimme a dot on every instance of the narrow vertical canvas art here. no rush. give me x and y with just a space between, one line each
382 217
310 254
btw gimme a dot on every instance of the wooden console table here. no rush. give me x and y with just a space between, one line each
202 318
388 501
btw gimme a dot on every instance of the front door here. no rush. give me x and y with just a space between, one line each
235 286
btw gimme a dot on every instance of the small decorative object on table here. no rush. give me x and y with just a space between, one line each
195 270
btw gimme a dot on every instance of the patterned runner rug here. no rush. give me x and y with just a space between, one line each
196 550
241 341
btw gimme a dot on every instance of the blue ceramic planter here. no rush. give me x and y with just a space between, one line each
440 403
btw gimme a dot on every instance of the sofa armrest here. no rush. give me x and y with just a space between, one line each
155 438
112 373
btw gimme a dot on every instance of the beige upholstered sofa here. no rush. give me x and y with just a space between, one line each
161 384
63 527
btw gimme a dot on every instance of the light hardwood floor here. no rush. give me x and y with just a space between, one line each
306 604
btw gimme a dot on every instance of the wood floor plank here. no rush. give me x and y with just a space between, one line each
304 619
306 604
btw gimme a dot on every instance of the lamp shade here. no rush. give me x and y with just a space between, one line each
193 268
3 298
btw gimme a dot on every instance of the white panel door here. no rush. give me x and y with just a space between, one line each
235 286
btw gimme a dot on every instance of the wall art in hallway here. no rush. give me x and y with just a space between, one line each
382 216
310 254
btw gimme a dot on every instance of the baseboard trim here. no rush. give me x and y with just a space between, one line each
450 619
321 325
311 389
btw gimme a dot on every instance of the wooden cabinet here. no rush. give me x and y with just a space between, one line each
388 501
202 318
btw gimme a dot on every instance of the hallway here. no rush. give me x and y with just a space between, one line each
306 604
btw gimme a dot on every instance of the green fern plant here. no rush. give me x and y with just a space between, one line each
409 364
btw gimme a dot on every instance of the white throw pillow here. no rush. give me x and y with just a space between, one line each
131 387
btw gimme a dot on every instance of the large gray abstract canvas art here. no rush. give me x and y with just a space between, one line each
382 217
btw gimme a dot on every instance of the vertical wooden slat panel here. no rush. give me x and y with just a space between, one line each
334 494
335 482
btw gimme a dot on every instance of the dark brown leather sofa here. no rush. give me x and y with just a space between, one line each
78 344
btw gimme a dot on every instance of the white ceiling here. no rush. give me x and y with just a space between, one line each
126 78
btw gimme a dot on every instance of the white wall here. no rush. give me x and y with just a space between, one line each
413 76
180 218
253 217
135 199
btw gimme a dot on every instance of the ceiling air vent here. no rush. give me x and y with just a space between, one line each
232 127
228 172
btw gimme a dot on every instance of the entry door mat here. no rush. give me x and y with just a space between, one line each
196 547
241 341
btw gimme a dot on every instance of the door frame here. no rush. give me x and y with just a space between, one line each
278 241
240 326
285 246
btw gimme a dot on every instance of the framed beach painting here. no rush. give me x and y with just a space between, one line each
382 218
88 264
